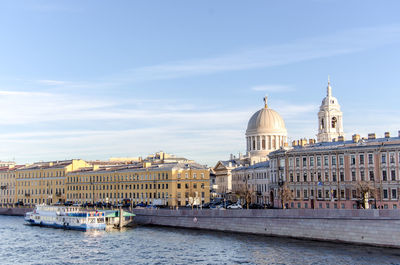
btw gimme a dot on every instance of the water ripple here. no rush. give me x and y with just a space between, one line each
21 244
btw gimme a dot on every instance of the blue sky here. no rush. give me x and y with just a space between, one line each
100 79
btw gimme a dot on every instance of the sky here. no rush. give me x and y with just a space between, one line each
100 79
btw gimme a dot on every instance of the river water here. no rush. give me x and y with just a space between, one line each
23 244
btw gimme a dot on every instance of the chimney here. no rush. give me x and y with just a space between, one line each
387 134
341 138
371 136
356 138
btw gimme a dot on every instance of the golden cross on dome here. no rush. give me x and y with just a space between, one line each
266 101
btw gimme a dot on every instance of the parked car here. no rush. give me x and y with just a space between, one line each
68 203
76 204
235 206
141 204
150 206
255 206
19 203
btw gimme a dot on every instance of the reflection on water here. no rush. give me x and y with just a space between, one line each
22 244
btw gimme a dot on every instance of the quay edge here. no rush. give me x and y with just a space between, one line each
366 227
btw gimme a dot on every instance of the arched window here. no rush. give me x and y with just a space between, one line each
322 123
334 121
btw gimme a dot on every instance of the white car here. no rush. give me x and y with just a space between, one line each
235 206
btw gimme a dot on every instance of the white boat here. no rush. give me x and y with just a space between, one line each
66 217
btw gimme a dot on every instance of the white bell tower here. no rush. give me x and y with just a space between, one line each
330 118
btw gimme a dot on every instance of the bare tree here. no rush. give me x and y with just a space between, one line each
285 195
245 192
366 190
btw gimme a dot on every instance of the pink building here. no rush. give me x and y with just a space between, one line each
329 174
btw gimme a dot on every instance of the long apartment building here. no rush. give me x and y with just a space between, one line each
169 184
330 174
44 182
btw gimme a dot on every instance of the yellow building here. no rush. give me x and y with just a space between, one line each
168 184
44 182
7 184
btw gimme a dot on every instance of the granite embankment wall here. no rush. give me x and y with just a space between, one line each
372 227
14 211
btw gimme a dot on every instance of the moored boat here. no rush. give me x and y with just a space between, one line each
66 217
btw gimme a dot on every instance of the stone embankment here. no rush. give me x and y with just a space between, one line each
14 211
371 227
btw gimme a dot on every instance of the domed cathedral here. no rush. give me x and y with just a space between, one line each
266 132
330 121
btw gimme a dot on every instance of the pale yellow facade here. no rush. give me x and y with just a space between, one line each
169 184
44 182
7 185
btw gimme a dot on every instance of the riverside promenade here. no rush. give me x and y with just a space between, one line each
369 227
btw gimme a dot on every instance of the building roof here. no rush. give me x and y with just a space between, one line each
341 145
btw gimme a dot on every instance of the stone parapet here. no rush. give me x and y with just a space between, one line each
371 227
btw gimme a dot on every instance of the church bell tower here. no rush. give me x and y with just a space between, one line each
330 118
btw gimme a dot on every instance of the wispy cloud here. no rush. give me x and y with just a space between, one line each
338 43
273 88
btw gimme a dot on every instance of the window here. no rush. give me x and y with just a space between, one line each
194 175
326 176
371 175
341 160
394 194
291 161
341 176
297 193
334 176
318 161
353 175
352 160
333 160
326 161
385 193
354 194
391 158
393 174
305 177
319 177
304 161
334 121
312 161
384 175
327 195
186 185
383 158
291 177
297 162
179 175
370 159
298 177
305 194
362 175
362 159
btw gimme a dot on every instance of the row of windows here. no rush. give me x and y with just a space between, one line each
106 195
362 159
332 194
159 176
117 187
39 174
41 182
362 176
40 191
178 185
